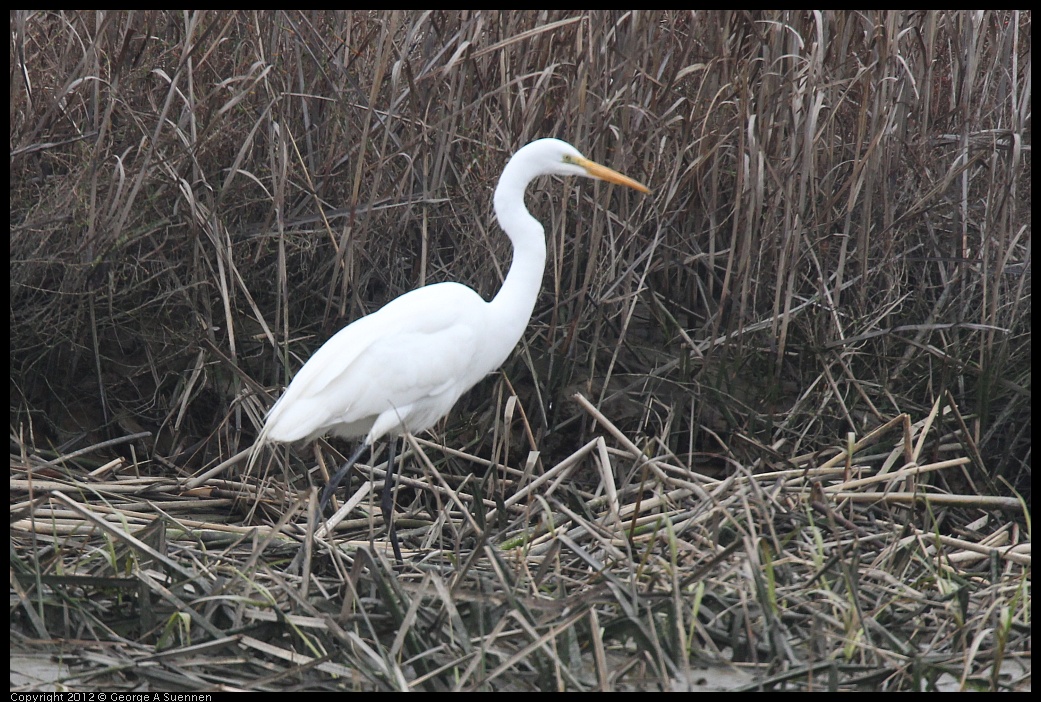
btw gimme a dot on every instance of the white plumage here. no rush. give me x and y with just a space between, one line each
403 367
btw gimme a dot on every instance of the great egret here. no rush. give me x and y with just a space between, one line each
401 368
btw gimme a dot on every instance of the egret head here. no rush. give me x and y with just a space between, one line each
556 157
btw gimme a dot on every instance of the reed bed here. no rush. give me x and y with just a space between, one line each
769 428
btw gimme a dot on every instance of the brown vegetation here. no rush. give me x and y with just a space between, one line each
775 415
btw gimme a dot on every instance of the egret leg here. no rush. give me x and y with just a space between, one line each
334 482
387 502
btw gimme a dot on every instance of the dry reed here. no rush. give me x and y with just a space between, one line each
770 424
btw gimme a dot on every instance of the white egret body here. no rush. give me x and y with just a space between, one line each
401 368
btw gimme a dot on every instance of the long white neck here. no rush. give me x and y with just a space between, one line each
512 306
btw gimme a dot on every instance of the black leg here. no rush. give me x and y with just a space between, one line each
387 502
334 482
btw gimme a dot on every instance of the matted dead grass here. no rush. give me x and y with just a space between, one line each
768 428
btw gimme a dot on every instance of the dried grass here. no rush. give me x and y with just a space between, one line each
773 421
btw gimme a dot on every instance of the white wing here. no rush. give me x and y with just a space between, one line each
401 367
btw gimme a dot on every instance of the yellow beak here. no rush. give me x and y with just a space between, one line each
611 176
